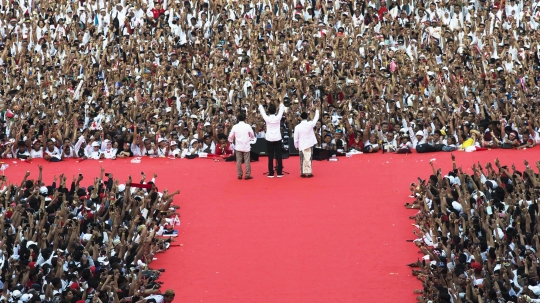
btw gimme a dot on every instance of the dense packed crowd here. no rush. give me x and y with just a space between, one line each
63 242
479 234
106 79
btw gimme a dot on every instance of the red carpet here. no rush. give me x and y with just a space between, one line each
339 237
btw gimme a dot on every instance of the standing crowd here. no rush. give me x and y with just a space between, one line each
479 234
105 79
78 240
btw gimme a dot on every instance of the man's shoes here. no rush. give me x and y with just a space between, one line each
310 175
248 177
270 175
280 175
239 177
302 175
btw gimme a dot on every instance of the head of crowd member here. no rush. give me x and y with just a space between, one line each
108 144
241 117
168 296
390 136
404 138
195 144
384 127
36 145
271 109
95 146
207 140
328 139
147 144
162 142
436 135
21 146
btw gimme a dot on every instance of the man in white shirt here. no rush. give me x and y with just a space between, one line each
241 134
273 137
52 153
304 139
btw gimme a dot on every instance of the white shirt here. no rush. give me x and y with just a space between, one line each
110 153
36 154
304 136
242 133
55 153
273 124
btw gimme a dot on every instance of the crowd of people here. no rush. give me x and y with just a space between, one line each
106 79
64 242
479 234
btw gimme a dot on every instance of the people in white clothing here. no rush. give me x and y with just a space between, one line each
52 153
241 135
273 136
304 139
93 152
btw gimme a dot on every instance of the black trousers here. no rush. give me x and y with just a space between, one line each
273 149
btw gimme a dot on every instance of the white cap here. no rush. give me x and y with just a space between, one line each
121 187
419 133
173 143
44 190
26 297
103 260
207 124
16 293
95 144
457 206
160 140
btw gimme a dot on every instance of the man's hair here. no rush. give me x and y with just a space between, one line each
169 293
241 117
271 109
303 115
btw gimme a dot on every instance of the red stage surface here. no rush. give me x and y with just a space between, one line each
338 237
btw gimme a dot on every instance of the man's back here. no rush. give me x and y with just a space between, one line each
241 134
304 136
273 123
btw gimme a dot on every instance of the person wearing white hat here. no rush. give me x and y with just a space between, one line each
418 138
93 152
162 148
194 147
174 151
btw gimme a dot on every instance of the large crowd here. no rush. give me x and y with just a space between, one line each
479 234
101 79
84 239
